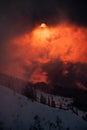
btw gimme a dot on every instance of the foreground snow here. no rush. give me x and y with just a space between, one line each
19 113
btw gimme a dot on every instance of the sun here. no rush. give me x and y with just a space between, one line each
43 25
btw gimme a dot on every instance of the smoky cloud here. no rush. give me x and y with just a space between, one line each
19 17
66 74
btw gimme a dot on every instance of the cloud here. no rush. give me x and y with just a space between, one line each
19 18
67 75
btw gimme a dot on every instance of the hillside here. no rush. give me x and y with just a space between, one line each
19 113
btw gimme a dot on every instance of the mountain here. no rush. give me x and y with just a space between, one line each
17 112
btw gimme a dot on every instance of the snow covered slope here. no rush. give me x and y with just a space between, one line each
19 113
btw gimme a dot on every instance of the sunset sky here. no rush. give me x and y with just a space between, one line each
44 41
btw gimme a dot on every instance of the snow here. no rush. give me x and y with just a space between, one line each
18 113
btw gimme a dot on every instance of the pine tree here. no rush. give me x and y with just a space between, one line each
42 99
48 101
30 92
52 102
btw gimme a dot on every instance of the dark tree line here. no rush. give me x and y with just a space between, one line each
30 92
49 101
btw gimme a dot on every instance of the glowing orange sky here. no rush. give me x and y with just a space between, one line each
67 42
44 44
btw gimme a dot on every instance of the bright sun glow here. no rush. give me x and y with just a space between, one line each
63 41
43 25
41 34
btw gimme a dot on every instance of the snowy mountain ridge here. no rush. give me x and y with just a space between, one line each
17 112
